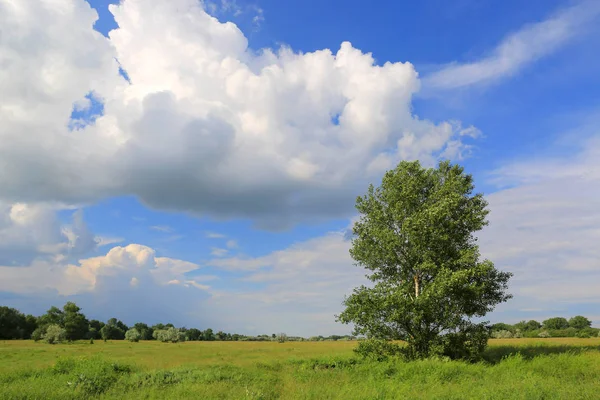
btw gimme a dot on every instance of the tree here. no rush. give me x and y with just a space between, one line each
556 323
75 323
113 330
144 330
415 235
171 334
580 322
221 336
95 329
133 335
54 316
13 324
55 334
208 334
193 334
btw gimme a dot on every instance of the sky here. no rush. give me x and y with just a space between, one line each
198 162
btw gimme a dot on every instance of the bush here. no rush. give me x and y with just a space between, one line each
38 334
544 334
502 334
282 337
133 335
172 335
55 334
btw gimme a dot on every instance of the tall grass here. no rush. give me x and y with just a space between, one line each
515 370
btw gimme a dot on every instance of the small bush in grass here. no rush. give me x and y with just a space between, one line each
55 334
376 349
133 335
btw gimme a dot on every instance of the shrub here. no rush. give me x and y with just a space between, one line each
54 334
133 335
281 338
172 335
38 334
544 334
502 334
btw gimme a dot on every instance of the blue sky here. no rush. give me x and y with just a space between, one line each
214 185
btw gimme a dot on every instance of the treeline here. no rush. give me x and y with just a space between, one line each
69 324
578 326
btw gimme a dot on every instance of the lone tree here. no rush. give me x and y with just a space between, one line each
416 236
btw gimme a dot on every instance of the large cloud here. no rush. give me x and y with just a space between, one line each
206 125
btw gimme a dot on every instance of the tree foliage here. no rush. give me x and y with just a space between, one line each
133 335
415 236
580 322
75 323
55 334
556 323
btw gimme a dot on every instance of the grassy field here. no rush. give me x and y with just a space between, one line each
514 369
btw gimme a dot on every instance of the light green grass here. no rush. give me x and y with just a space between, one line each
514 369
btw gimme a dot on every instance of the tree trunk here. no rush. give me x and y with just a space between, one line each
416 285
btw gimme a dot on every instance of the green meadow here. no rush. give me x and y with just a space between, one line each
558 368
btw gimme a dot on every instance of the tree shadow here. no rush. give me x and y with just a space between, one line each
494 354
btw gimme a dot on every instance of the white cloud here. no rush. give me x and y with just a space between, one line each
218 252
232 244
521 48
206 126
162 228
28 231
214 235
545 229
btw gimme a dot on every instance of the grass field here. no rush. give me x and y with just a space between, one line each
514 369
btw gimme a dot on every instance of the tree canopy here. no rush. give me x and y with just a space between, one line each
416 237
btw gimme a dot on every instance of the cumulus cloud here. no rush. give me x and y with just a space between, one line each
521 48
28 231
205 125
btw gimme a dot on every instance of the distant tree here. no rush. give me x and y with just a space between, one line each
31 324
282 337
144 330
118 323
416 236
273 336
158 327
556 323
95 329
208 334
12 324
74 322
193 334
171 334
112 330
54 316
221 336
55 334
133 335
501 326
580 322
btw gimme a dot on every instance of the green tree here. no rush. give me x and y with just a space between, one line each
144 330
208 334
193 334
54 334
113 329
133 335
556 323
54 316
75 323
13 324
580 322
415 235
